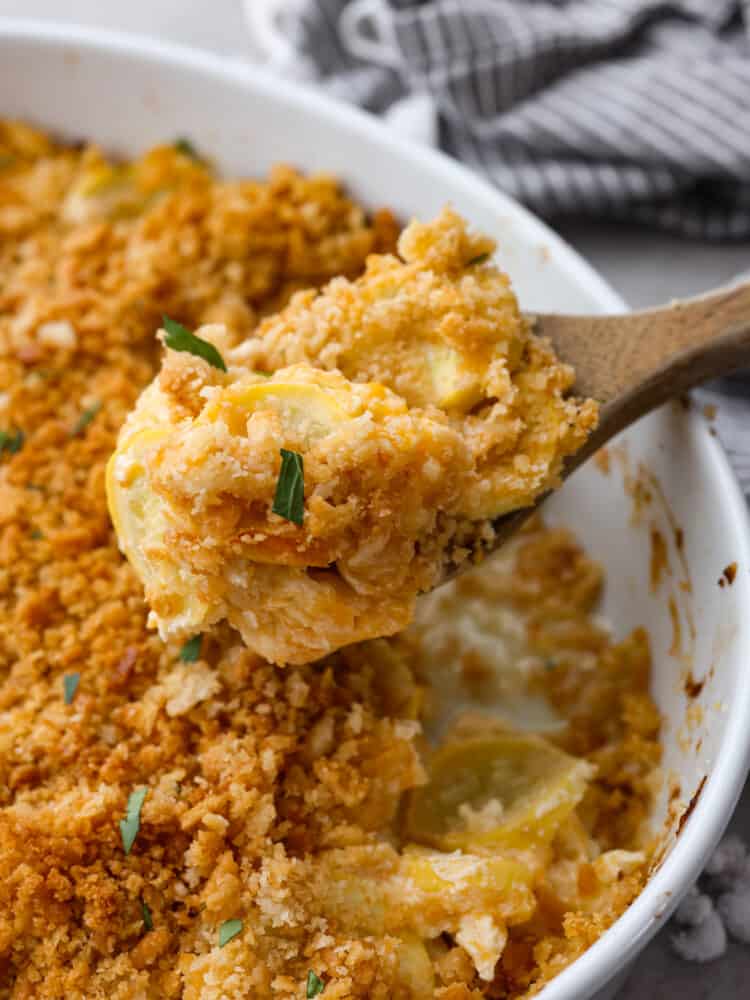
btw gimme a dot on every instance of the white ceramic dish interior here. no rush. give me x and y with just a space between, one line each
128 93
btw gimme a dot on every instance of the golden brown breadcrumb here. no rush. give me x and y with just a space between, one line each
273 795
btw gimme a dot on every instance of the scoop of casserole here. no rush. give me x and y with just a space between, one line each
307 484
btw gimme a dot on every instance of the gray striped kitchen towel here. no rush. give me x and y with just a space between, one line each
629 109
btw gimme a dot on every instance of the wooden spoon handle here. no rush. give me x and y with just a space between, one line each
657 353
635 362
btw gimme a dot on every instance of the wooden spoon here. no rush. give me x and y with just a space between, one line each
635 362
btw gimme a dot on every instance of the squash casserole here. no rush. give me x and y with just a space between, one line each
456 811
415 405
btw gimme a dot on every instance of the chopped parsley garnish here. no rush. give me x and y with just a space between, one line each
85 419
130 826
228 930
36 534
289 501
70 686
185 146
148 922
479 259
192 649
11 441
315 985
179 338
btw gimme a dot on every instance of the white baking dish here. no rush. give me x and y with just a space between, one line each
128 93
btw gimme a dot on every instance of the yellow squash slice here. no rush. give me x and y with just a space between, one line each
456 384
425 893
141 525
499 790
311 412
415 969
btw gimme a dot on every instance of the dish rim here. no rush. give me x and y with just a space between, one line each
618 945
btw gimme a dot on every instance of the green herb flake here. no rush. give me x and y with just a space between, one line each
85 419
148 922
550 664
130 826
186 148
36 534
315 985
479 259
179 338
70 686
289 501
228 930
11 441
192 649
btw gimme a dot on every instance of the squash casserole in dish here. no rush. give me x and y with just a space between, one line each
454 811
